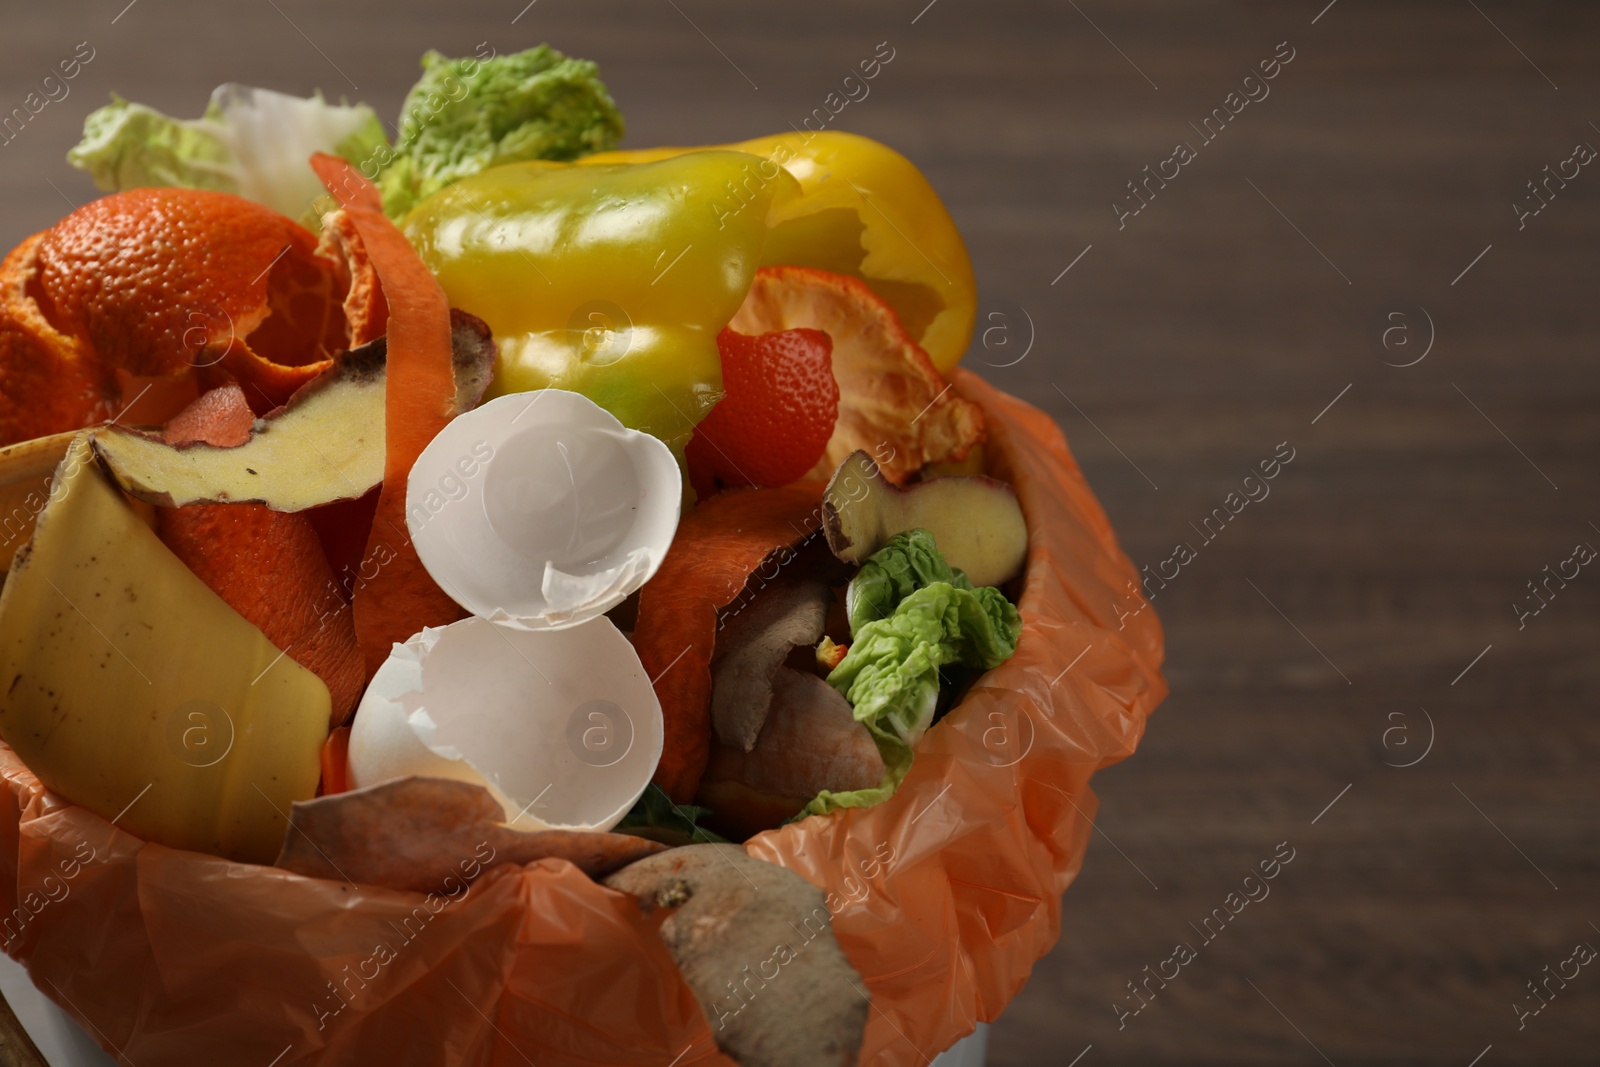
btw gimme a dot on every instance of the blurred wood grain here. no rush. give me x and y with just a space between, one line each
1312 642
16 1047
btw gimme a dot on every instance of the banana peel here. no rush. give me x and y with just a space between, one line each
26 469
133 690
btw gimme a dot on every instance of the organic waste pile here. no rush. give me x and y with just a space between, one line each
489 481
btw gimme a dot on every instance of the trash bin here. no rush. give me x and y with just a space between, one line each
943 897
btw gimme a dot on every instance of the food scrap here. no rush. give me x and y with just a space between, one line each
407 833
167 286
327 444
294 449
269 567
250 142
464 115
776 416
751 649
419 399
561 726
864 210
829 654
540 510
634 269
190 705
467 115
733 540
976 521
721 909
809 744
219 417
891 397
911 614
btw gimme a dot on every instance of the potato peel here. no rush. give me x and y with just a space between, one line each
418 833
736 927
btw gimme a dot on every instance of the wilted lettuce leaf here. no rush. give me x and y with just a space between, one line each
253 142
891 673
911 614
467 115
655 816
905 564
463 116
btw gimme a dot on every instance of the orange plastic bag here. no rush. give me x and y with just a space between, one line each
943 897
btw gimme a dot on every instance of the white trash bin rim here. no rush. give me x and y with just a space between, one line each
970 1051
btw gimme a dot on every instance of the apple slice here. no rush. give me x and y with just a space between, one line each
326 444
976 521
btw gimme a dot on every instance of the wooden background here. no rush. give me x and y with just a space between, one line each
1305 642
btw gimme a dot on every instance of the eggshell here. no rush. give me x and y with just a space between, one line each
562 726
540 510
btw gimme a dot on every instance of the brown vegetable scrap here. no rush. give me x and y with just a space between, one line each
755 943
810 742
751 649
415 833
725 550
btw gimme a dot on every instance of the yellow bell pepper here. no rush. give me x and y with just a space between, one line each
864 210
611 281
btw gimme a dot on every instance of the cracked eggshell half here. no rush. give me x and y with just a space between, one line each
561 726
540 510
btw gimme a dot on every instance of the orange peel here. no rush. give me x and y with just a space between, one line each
893 402
143 292
776 418
49 382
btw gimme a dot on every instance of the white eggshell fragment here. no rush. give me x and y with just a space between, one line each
540 510
562 726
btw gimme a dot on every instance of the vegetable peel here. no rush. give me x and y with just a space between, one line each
420 390
327 444
741 537
414 834
269 567
724 910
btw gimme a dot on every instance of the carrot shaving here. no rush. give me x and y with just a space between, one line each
220 417
336 763
733 539
402 597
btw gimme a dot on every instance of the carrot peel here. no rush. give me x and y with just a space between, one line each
402 597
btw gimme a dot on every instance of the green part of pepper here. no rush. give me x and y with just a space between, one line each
611 281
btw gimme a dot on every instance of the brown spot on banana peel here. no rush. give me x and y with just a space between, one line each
755 943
